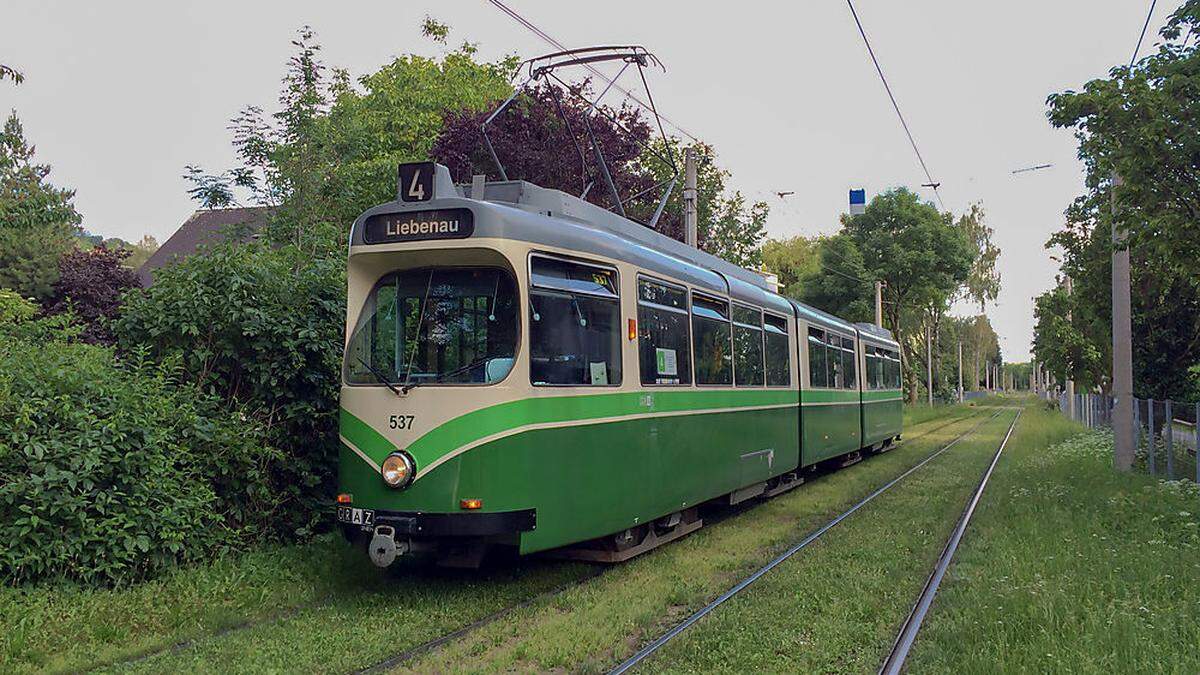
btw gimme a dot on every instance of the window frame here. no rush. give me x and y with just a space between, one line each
620 352
762 339
821 340
686 311
518 340
787 336
707 297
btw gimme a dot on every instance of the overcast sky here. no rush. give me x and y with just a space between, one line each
119 97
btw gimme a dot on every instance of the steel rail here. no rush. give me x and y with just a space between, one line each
894 662
327 600
666 637
422 649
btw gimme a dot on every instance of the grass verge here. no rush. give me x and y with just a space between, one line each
321 605
1071 566
835 607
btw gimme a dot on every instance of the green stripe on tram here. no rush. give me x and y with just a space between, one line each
503 417
497 419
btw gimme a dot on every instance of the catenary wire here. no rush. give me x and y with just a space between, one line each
1138 47
862 31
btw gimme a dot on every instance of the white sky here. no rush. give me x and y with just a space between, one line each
120 96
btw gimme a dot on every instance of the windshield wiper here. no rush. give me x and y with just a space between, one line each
379 376
449 373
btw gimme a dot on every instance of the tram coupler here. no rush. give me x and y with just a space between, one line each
384 548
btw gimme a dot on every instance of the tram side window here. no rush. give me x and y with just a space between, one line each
874 374
778 356
664 350
849 372
711 341
747 346
818 369
574 324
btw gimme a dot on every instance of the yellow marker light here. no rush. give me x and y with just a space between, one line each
345 498
633 329
471 504
397 470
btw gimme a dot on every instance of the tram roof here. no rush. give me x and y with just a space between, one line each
523 211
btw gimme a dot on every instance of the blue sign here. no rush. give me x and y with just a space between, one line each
858 202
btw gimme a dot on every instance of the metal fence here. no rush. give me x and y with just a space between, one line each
1166 433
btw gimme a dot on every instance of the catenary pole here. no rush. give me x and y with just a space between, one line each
879 304
929 366
960 388
1122 343
689 197
1070 383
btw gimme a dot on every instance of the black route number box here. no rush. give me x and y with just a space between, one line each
416 182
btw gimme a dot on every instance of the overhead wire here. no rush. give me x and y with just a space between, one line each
887 87
1138 47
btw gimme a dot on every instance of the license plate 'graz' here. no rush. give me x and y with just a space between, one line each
353 516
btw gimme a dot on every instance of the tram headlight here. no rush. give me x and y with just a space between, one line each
398 470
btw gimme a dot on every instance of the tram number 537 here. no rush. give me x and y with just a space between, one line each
400 422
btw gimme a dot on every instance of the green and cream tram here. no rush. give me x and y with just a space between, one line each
524 368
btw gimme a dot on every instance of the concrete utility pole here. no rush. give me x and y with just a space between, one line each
689 197
1070 383
960 389
929 366
1122 336
879 304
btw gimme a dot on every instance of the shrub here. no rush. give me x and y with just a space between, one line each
111 473
90 284
261 328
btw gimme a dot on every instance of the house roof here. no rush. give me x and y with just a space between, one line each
205 227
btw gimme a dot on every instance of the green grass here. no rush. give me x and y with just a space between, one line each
321 606
1071 566
594 626
836 606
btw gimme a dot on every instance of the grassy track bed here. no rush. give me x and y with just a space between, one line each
595 625
1070 566
322 605
836 606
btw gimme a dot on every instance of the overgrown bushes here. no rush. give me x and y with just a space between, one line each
109 471
260 328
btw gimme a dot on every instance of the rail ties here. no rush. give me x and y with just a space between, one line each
894 662
666 637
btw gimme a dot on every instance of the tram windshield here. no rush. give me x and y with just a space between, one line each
436 325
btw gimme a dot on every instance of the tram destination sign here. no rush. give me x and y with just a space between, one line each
383 228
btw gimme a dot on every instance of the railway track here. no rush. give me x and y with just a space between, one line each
413 653
417 651
894 663
659 642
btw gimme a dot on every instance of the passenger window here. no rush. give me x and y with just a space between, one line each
711 341
747 346
849 376
575 332
778 355
664 353
818 371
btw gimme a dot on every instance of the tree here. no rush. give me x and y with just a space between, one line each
1138 123
983 280
838 283
37 220
542 137
922 258
330 151
792 260
89 286
27 199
